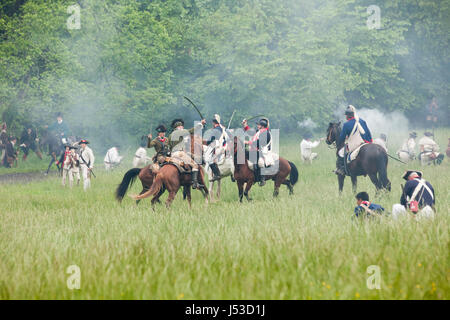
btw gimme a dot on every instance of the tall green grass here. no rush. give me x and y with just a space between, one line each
305 246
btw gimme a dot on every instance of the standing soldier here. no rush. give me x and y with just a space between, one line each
160 143
87 160
29 140
10 153
112 158
140 157
70 165
408 150
356 131
261 142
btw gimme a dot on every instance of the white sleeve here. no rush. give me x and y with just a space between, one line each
315 144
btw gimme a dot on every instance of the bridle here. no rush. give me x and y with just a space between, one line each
331 145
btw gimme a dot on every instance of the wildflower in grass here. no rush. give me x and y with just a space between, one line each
357 295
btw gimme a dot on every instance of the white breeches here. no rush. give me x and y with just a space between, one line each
86 177
399 211
70 173
404 156
309 157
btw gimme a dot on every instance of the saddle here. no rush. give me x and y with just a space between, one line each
178 163
354 154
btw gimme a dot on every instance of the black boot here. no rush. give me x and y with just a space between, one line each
256 172
215 170
340 166
262 178
195 184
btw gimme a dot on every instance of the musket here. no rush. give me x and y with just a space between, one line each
200 114
81 156
395 158
231 119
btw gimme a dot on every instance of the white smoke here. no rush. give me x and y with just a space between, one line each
307 123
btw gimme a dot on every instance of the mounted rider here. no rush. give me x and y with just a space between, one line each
161 145
216 145
178 141
356 133
60 128
261 142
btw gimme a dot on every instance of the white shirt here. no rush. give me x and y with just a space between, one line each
88 156
428 144
306 146
112 156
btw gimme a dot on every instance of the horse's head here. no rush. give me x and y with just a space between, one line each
333 132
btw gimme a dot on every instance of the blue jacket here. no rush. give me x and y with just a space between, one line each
348 127
425 200
373 206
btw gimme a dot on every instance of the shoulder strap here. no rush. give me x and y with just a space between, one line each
421 183
367 208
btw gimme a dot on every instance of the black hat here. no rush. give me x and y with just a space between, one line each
161 128
413 134
428 134
83 141
408 173
59 114
383 136
177 123
307 135
264 122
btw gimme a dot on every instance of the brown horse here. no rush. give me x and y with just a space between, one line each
170 178
244 175
372 160
145 175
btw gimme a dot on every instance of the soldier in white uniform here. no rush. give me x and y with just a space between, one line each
408 150
429 150
140 158
112 158
381 141
306 147
87 160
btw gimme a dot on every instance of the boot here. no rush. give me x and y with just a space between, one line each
215 170
262 178
340 166
195 184
256 172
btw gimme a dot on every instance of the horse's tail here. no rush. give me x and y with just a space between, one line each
382 171
155 188
127 182
293 178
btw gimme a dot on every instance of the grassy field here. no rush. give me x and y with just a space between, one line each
300 247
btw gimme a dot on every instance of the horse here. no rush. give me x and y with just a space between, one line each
372 160
243 174
171 179
55 149
226 168
146 176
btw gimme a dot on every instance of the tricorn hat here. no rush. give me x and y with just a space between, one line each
161 128
264 122
428 134
409 172
83 141
177 123
413 134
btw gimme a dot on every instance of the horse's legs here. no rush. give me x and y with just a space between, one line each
218 189
354 183
188 195
341 182
144 190
240 189
375 181
247 189
53 159
171 197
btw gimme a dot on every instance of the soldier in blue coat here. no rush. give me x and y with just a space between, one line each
356 131
365 208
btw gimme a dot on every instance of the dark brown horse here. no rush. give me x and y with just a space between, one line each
244 175
372 160
171 179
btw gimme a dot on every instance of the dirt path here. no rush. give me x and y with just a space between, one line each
24 177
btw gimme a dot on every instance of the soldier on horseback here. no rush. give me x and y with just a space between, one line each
261 143
60 129
177 146
160 143
215 146
357 133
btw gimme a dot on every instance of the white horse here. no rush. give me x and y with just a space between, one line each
226 168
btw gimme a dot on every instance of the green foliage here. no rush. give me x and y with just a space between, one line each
131 62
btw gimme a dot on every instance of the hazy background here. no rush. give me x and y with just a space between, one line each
299 62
